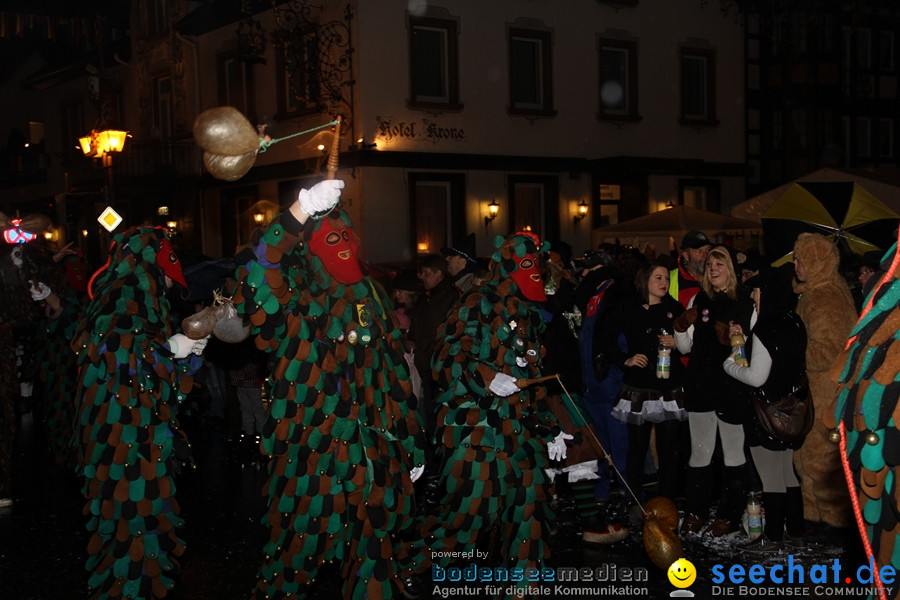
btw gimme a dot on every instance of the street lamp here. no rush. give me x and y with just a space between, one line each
101 143
493 211
582 209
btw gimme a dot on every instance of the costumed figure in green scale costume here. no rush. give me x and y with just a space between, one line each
59 298
496 436
134 374
344 440
867 408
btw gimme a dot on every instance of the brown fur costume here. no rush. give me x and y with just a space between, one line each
827 310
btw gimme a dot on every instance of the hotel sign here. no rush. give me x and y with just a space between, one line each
423 130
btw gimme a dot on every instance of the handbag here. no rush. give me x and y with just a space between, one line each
601 364
788 419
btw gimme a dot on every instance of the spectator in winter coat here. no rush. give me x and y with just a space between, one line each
712 398
776 367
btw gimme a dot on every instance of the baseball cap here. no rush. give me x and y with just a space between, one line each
464 248
695 239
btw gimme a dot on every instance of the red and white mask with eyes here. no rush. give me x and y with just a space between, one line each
528 277
337 249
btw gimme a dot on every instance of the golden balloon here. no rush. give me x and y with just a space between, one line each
660 540
224 130
229 168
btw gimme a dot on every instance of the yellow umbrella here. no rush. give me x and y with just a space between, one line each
844 211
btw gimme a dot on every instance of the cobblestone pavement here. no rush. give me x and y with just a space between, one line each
42 541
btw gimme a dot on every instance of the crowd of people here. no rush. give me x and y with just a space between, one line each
406 419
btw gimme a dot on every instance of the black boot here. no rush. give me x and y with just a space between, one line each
698 481
731 506
775 506
734 496
794 521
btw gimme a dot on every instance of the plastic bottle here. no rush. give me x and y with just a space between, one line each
737 341
754 516
663 359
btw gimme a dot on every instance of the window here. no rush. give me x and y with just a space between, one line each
777 129
157 18
886 51
433 60
886 138
534 205
437 212
800 32
700 193
863 137
72 126
236 84
297 66
609 206
798 125
823 26
618 80
863 49
530 72
162 107
698 85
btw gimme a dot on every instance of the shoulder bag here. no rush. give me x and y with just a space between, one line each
788 419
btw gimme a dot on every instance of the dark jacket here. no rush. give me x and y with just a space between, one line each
706 385
431 309
561 340
783 334
641 327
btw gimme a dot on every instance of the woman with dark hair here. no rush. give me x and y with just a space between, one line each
649 397
714 400
777 365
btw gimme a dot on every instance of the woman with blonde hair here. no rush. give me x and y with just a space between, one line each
714 400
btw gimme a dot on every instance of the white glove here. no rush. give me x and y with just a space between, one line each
557 448
181 345
39 291
503 385
199 345
321 197
416 472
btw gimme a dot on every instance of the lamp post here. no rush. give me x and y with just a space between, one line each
101 144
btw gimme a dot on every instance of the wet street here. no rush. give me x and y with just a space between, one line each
42 539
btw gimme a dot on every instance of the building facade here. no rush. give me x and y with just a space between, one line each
562 120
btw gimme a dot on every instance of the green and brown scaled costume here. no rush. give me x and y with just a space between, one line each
342 432
494 450
868 376
129 392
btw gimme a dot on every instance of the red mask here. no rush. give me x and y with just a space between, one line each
337 249
169 263
76 274
528 277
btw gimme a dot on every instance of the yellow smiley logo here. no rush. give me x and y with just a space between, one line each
682 573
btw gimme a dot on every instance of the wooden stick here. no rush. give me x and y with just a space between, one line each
333 155
522 382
